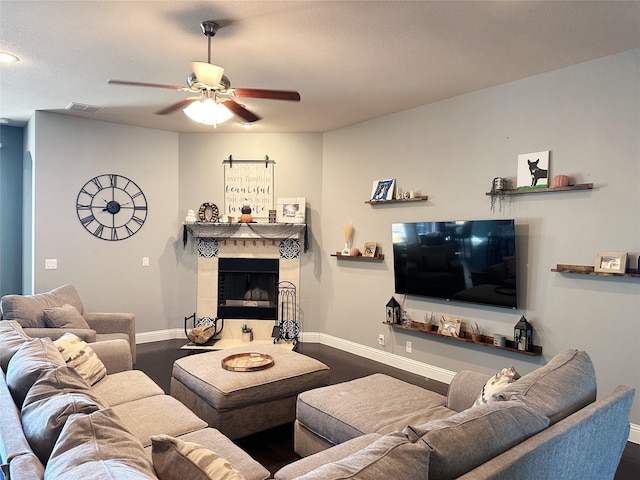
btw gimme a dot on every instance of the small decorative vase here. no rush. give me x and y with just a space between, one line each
354 252
476 337
247 337
191 216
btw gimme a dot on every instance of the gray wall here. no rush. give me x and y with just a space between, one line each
11 139
108 275
587 115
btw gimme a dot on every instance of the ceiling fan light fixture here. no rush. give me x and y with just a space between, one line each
207 73
207 112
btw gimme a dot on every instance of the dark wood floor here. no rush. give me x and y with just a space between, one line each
274 448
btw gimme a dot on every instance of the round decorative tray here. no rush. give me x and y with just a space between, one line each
247 362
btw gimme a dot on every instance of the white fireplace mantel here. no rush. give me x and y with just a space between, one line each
273 231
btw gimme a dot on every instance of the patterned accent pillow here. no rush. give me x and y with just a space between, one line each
79 355
175 459
66 316
495 385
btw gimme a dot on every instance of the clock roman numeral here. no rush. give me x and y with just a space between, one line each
98 231
139 221
87 220
81 206
114 234
140 207
129 231
113 180
96 182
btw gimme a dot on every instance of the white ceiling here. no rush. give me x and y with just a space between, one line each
350 60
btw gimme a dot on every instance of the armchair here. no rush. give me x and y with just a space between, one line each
50 315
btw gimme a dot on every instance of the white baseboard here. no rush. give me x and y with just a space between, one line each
159 335
391 359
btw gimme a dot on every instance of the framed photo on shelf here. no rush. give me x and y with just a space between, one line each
369 249
611 262
291 210
383 190
449 326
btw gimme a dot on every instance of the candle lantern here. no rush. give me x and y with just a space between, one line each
393 311
523 335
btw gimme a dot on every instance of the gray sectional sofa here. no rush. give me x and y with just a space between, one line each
56 426
545 425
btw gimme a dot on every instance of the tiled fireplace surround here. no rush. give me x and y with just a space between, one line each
284 242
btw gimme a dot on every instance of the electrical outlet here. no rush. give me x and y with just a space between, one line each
145 261
381 339
51 264
408 347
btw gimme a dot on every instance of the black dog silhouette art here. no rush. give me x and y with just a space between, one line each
536 172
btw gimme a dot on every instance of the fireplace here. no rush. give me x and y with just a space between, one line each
247 288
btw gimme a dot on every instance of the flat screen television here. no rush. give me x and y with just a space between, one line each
466 261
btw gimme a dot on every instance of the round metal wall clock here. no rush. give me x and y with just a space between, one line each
111 207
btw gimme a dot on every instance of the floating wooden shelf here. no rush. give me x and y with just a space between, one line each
379 256
520 191
419 198
487 341
589 270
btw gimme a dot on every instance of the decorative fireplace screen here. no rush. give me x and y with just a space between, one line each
248 288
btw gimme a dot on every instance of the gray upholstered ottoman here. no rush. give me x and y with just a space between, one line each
242 403
374 404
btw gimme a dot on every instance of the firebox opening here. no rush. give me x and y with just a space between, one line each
247 288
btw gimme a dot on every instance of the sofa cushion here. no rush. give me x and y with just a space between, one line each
561 387
174 459
79 355
12 337
123 387
28 310
496 384
55 396
31 360
374 404
158 414
391 456
66 316
97 446
469 438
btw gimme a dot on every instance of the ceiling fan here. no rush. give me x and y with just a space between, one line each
212 86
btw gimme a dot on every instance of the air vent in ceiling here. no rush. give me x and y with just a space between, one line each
81 107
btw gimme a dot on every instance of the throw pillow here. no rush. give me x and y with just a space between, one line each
96 446
174 459
470 438
561 387
79 355
31 360
55 396
495 385
12 337
66 316
391 456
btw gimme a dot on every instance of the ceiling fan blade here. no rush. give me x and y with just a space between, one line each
176 106
240 111
270 94
144 84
